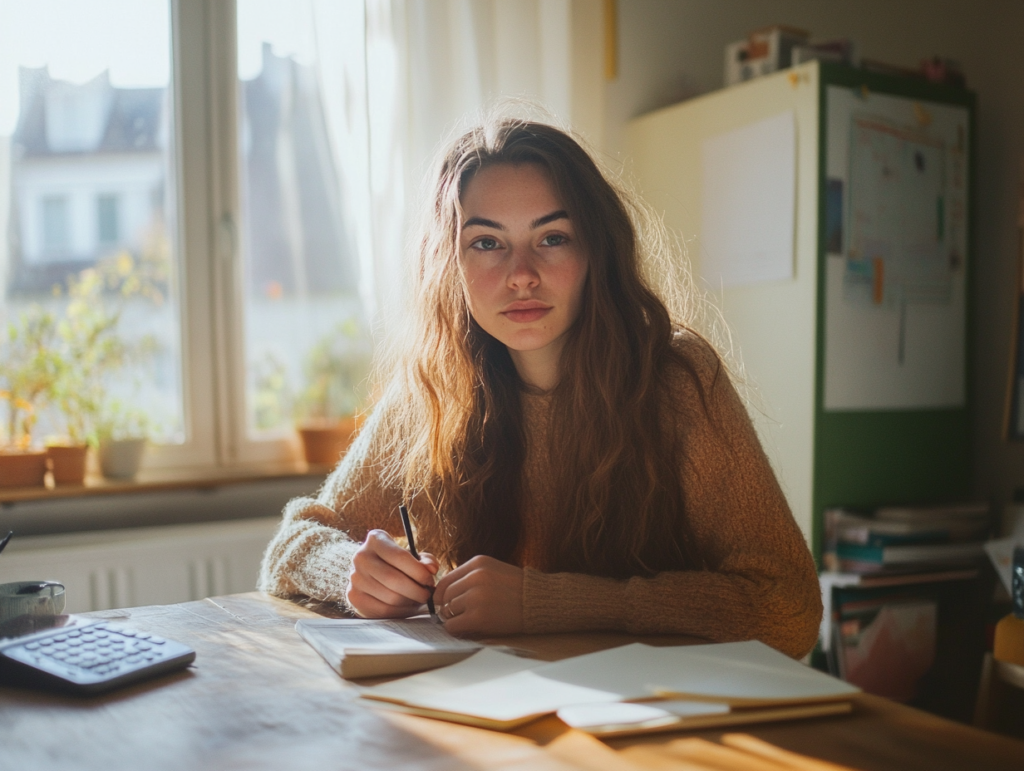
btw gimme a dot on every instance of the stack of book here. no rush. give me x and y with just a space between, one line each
905 539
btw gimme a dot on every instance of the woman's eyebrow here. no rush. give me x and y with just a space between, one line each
539 222
561 214
486 223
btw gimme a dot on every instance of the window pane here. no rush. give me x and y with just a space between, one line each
106 219
87 214
302 142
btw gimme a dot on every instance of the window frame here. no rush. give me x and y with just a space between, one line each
211 299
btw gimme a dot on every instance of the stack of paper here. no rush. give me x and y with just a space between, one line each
370 648
692 685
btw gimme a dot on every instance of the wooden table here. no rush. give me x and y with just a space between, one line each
258 697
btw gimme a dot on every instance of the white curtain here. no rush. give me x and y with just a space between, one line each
432 66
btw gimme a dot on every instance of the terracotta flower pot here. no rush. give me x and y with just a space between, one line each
22 469
67 462
121 458
324 443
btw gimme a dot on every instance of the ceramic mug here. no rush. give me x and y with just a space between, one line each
31 598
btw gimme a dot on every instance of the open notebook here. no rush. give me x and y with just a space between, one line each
699 684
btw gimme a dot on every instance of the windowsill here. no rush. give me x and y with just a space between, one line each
162 480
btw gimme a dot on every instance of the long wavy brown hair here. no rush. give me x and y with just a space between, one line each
455 416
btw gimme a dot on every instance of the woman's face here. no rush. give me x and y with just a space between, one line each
522 265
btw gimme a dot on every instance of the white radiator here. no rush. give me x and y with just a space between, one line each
143 566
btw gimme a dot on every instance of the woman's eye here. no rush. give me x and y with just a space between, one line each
487 244
554 240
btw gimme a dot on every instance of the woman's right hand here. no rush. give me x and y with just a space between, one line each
386 581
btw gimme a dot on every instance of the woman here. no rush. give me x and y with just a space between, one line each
573 460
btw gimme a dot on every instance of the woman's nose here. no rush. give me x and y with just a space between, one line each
523 270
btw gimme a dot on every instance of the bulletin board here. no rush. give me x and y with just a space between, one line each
896 248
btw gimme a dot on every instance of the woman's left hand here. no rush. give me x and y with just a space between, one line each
483 596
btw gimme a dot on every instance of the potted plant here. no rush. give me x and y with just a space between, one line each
28 364
335 371
122 434
89 347
92 350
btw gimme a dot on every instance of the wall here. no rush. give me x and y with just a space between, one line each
671 50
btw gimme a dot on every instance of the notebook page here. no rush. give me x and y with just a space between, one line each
369 636
744 673
739 673
483 665
513 697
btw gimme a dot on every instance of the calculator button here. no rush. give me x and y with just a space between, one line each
101 634
127 632
46 643
75 643
144 647
60 638
32 646
157 640
143 635
60 647
134 659
104 643
74 633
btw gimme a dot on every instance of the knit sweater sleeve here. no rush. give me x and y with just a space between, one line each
760 580
311 552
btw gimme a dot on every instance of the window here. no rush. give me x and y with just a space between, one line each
107 228
300 178
86 110
56 227
189 154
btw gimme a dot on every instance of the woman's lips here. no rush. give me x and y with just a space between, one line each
525 315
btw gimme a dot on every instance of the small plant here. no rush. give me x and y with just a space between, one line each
91 347
271 394
118 421
29 365
336 370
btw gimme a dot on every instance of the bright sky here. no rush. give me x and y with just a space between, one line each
131 38
78 40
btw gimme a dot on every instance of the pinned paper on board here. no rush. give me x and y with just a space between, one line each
902 250
896 231
748 207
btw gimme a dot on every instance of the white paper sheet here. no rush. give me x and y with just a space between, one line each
749 200
622 714
483 665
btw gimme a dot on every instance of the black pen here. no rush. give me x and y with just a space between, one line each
3 543
412 550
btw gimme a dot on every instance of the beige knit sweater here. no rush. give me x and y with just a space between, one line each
761 583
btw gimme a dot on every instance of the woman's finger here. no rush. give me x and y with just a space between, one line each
370 607
384 546
457 583
430 562
465 618
444 585
390 585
